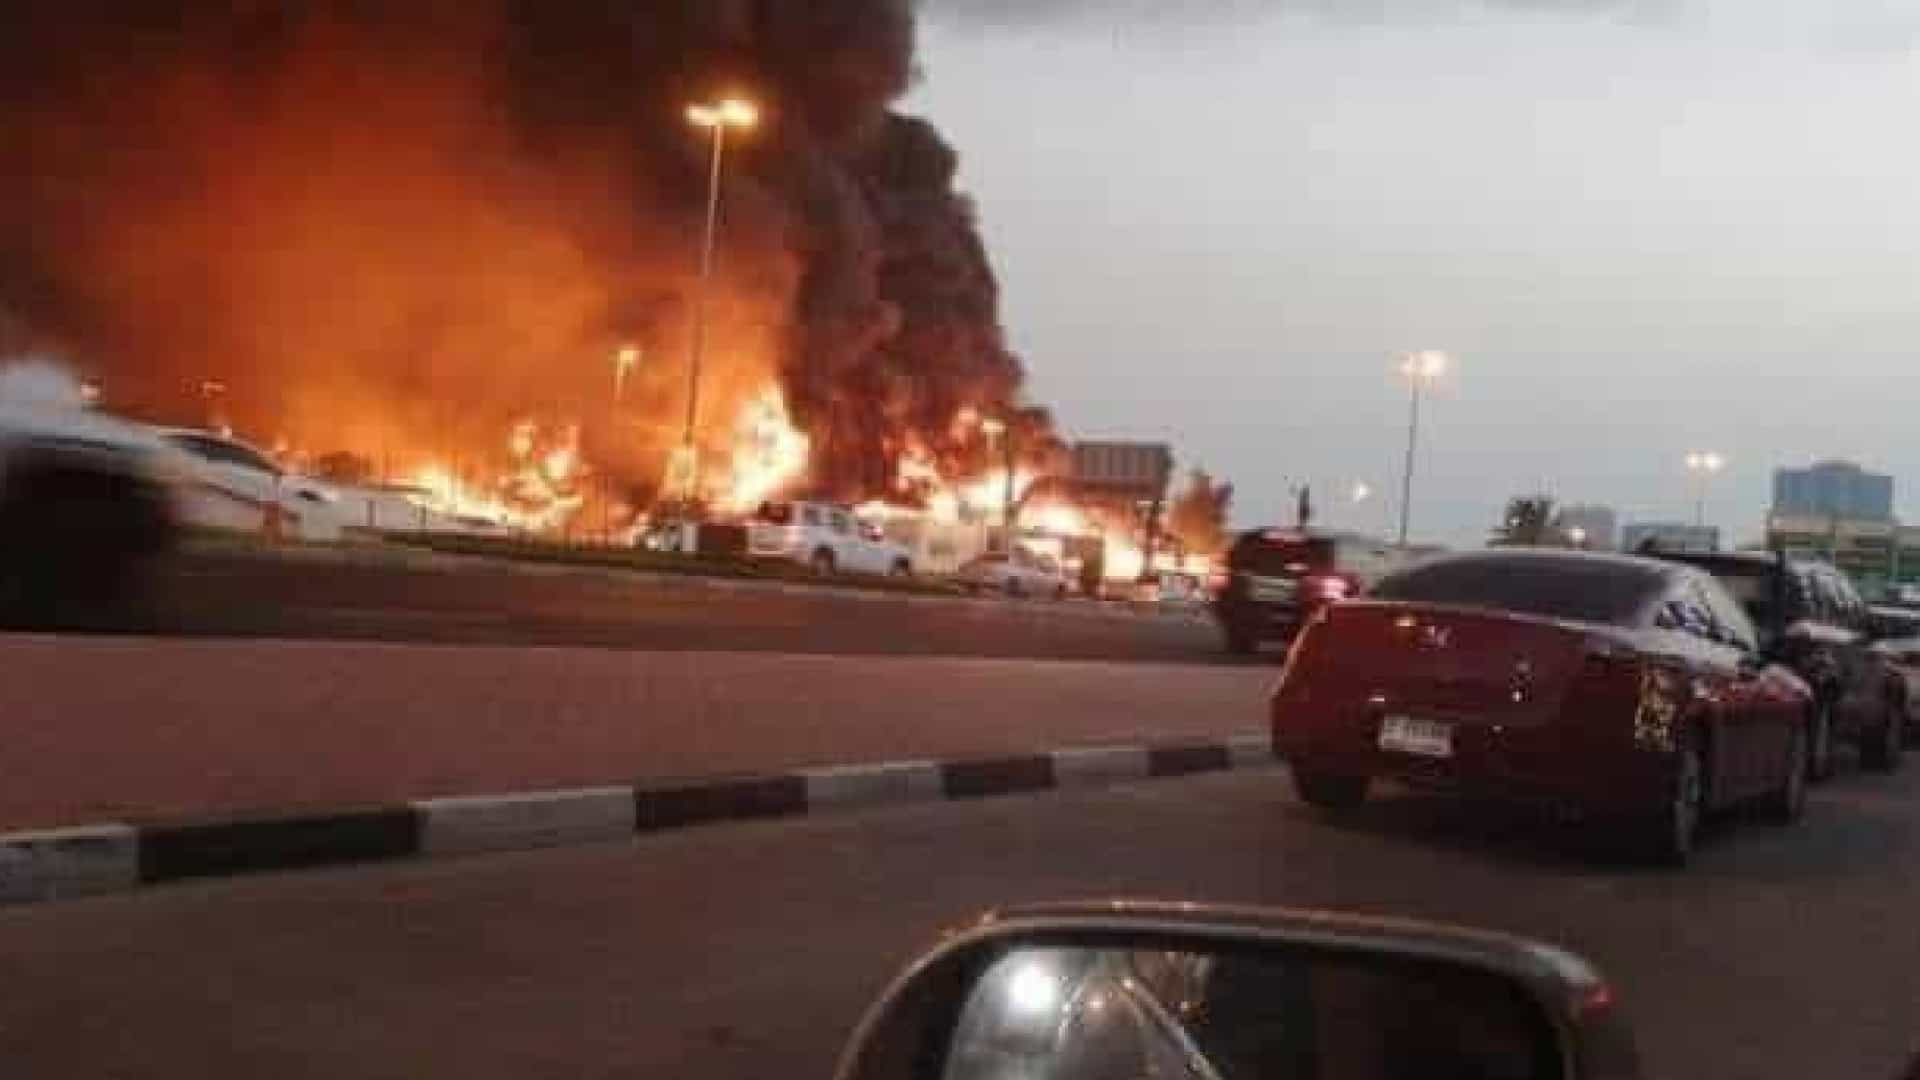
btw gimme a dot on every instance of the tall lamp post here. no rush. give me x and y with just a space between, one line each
716 118
1000 444
1421 369
1703 466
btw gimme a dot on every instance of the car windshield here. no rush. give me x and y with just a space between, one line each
1586 590
567 537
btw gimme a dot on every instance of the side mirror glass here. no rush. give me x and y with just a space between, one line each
1185 992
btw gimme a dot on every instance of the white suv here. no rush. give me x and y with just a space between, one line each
826 538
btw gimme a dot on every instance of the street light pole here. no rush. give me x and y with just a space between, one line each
1703 466
716 118
1420 368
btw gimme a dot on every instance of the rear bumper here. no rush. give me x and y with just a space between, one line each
1545 764
1264 621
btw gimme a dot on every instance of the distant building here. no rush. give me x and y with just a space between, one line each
1881 557
1833 489
1596 528
1136 472
1669 536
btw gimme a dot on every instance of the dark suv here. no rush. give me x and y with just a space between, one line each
1811 619
1275 579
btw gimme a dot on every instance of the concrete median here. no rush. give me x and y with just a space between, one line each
90 861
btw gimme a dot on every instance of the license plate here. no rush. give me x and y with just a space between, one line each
1409 735
1271 590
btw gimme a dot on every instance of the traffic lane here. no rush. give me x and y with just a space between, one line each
751 950
208 596
133 728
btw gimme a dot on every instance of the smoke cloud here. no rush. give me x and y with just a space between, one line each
399 229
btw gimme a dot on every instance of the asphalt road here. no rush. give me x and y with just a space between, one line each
249 596
749 951
125 728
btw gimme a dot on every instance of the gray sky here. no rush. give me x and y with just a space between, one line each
1642 227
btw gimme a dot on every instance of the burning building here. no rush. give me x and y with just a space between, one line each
454 241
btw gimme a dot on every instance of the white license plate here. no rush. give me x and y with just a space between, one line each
1274 591
1408 735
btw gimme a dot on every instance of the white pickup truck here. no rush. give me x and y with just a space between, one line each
827 538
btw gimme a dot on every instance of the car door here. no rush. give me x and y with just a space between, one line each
1761 706
1862 687
845 541
1713 670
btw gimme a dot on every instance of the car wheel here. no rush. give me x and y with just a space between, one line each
1886 744
1015 589
1327 791
1789 800
901 568
1671 833
1820 743
822 563
1059 592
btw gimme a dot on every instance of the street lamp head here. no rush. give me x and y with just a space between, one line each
1361 493
740 113
1427 364
1707 462
727 112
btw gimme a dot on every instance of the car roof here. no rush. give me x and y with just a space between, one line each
1562 556
1720 560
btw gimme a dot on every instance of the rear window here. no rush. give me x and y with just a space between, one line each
1279 555
1585 590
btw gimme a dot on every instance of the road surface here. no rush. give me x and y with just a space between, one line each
748 951
306 596
123 728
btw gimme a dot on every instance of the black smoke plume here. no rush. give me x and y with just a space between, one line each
398 228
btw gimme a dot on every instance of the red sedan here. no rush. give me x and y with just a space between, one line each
1623 688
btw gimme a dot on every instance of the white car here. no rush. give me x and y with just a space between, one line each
226 484
827 538
84 499
1019 574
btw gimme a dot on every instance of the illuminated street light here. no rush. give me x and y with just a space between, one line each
1703 466
1360 493
624 361
716 117
1577 536
995 429
1421 369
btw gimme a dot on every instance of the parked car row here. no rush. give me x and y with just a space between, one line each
1641 692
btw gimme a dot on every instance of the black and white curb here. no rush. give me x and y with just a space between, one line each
92 860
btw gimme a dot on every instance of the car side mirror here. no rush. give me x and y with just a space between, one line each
1128 989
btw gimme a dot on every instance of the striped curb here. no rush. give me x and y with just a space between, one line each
57 864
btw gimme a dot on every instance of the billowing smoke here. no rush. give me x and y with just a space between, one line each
400 229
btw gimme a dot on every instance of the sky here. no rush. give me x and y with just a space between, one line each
1639 227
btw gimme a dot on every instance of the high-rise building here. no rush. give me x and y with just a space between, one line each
1837 489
